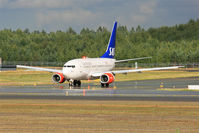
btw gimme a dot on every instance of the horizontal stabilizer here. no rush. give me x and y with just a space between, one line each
133 59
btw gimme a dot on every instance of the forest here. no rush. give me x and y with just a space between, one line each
174 44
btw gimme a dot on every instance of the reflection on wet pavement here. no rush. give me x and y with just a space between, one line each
129 88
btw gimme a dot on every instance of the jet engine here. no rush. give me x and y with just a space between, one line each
107 78
58 78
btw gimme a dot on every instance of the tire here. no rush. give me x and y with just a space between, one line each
70 83
102 85
107 85
78 83
75 82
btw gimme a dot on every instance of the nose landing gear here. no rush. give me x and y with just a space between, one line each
75 83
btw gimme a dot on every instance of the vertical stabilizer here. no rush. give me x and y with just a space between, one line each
110 52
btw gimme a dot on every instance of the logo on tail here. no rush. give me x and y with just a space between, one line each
110 52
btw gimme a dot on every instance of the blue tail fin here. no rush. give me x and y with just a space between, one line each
110 52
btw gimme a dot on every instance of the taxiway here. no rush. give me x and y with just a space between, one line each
151 90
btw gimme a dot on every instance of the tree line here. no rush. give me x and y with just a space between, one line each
175 44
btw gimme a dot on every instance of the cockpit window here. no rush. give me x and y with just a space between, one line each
73 66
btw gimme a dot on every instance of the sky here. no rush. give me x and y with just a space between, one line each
53 15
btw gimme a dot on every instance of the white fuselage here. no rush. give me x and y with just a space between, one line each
81 69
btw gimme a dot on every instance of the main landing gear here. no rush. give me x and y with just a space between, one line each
104 85
75 83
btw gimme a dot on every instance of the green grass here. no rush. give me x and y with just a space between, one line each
23 77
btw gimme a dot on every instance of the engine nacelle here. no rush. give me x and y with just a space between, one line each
58 78
107 78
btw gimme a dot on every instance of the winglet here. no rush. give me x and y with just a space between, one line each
110 52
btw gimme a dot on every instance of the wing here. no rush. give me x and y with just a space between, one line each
145 69
135 70
40 69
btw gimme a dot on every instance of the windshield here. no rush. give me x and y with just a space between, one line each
72 66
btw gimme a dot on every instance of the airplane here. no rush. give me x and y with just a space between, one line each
101 68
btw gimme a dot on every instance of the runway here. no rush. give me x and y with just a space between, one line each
146 90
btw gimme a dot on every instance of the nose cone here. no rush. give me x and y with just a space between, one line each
73 70
70 69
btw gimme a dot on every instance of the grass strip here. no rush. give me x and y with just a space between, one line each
97 116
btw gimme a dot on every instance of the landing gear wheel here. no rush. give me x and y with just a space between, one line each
78 83
75 82
107 85
71 82
102 85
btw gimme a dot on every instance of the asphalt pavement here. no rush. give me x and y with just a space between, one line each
145 90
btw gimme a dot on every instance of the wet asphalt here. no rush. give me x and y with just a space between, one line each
145 90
